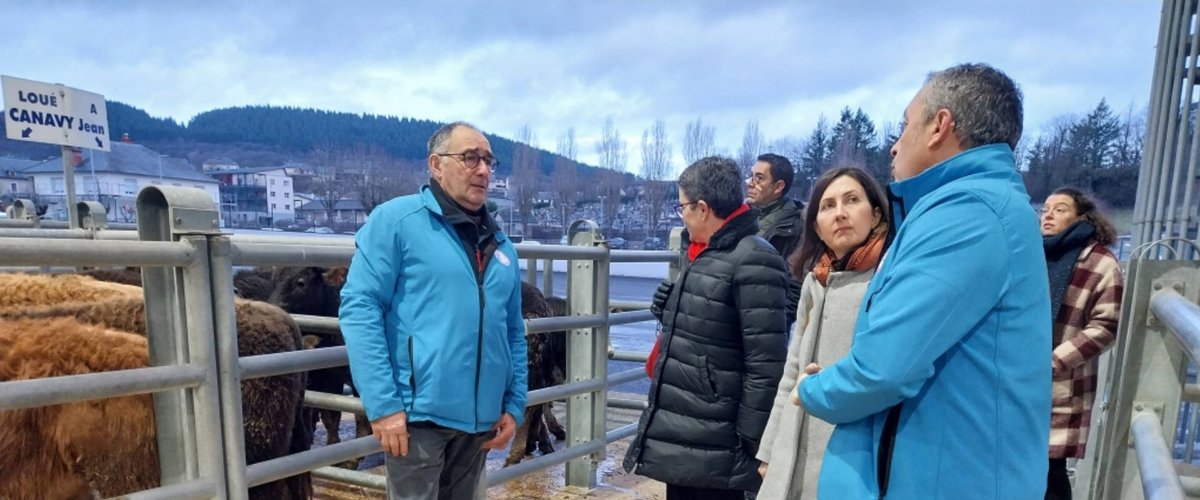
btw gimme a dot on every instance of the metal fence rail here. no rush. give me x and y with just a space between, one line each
187 276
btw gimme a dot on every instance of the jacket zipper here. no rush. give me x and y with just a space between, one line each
412 375
479 337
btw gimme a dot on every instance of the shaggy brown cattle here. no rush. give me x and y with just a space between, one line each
547 368
253 284
275 424
25 290
66 451
315 291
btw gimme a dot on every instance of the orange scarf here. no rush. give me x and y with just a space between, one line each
695 248
862 258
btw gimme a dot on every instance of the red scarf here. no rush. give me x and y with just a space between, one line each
861 259
695 248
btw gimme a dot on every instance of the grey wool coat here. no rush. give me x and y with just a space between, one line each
794 443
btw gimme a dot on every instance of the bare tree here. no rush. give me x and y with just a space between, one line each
699 141
526 176
656 166
327 186
566 176
752 146
611 148
566 145
611 180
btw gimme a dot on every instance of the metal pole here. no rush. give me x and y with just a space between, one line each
205 401
582 355
1159 479
225 328
68 162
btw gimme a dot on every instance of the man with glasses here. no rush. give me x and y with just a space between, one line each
431 315
780 219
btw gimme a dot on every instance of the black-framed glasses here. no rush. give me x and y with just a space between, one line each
471 159
679 206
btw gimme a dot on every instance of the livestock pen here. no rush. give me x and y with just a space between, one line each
197 374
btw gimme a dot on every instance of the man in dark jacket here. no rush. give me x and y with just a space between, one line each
780 219
722 348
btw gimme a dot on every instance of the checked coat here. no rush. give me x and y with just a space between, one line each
1085 326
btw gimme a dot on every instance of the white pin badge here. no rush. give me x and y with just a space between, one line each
503 258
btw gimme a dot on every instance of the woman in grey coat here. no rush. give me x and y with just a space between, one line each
845 231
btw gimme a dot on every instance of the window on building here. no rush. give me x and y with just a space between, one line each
272 194
287 194
286 182
287 207
130 187
57 186
197 186
272 182
272 206
14 187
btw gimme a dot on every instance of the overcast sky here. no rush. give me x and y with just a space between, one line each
559 64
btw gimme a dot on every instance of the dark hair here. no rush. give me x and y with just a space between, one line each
781 169
811 247
715 180
1086 208
437 141
985 104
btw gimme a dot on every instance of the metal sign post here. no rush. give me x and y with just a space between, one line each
56 114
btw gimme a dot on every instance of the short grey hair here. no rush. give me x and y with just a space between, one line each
985 103
437 141
715 180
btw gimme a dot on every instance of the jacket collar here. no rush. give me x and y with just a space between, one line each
452 214
731 233
907 193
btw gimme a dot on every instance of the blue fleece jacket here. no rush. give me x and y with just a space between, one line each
955 328
422 333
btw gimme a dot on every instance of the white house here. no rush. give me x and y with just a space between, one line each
14 183
254 197
115 178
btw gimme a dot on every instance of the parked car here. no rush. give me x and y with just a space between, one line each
319 230
618 243
654 243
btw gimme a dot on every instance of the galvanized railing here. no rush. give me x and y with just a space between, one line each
201 446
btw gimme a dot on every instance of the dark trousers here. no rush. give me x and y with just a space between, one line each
1058 485
676 492
442 464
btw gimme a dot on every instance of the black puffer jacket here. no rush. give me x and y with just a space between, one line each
722 354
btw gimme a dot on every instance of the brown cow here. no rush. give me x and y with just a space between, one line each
275 424
74 450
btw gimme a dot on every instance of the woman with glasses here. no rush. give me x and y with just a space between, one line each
1085 302
845 228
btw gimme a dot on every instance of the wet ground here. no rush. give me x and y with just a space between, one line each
613 482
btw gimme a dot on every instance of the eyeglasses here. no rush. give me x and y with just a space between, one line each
679 206
757 179
471 160
1057 211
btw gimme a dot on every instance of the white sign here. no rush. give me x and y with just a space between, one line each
54 114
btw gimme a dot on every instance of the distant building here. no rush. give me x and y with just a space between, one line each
346 212
14 183
256 197
114 179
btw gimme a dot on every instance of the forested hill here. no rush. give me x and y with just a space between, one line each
294 132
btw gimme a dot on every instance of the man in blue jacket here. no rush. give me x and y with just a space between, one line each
431 314
946 390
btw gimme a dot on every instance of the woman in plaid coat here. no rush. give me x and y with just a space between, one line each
1085 301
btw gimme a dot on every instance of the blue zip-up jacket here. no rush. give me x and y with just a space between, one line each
954 327
423 335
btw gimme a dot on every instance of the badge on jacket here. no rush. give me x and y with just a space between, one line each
500 256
